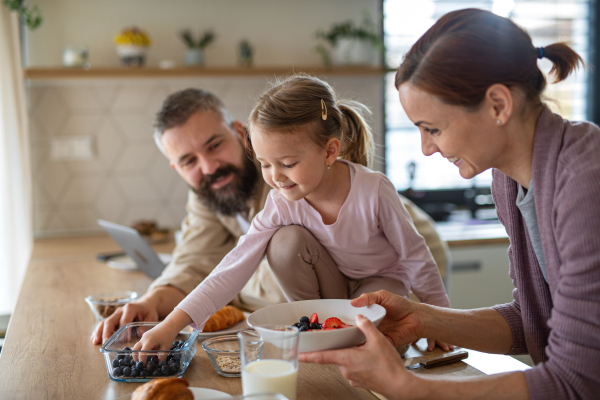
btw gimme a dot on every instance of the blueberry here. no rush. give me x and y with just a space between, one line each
117 371
127 371
134 373
155 359
319 326
297 324
156 373
143 373
303 328
162 364
165 370
313 326
150 367
127 348
132 363
181 343
148 358
139 366
174 368
120 356
115 363
304 319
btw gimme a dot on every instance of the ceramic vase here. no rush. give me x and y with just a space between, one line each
354 52
194 57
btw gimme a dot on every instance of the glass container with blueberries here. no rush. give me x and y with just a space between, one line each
126 365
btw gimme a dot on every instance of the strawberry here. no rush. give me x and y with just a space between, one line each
314 319
334 323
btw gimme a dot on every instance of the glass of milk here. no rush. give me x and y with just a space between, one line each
269 357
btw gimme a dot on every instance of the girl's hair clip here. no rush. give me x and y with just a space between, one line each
323 110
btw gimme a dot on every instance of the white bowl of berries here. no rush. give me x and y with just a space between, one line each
324 324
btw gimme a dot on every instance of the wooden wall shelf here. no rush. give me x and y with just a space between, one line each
186 72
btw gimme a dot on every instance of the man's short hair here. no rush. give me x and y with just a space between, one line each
181 105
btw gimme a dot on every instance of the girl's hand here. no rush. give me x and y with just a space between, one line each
401 324
159 338
376 365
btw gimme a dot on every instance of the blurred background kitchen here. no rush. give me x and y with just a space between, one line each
81 80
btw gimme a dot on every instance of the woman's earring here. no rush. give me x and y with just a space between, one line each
328 166
498 122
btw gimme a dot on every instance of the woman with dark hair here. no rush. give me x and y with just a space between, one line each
472 86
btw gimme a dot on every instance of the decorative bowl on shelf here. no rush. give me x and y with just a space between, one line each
132 45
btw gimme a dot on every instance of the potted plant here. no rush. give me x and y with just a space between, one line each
132 45
349 43
194 54
245 54
29 16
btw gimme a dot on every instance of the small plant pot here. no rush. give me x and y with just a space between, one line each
194 57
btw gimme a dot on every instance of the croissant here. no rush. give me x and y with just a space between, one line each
225 318
164 389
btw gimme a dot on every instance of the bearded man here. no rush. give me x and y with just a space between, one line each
206 147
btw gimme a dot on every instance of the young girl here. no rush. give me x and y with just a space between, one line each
360 237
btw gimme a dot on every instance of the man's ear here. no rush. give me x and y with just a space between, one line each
239 128
501 102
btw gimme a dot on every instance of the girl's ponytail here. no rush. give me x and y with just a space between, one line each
357 138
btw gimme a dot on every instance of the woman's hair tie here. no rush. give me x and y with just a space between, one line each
540 52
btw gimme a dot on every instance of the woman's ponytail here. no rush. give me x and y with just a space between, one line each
564 60
357 138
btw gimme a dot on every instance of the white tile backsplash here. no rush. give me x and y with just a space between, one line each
129 179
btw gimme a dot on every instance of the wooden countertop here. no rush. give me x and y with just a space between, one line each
48 354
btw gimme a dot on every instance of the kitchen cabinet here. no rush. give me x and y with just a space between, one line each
480 276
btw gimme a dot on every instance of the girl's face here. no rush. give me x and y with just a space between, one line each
469 140
290 162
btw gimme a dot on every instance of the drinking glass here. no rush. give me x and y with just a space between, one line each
269 358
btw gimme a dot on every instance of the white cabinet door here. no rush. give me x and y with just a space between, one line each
480 276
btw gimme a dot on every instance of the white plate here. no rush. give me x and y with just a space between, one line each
229 331
289 313
126 263
202 393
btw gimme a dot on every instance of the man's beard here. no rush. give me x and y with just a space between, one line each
233 197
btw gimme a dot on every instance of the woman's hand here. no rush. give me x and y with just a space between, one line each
376 365
431 343
401 324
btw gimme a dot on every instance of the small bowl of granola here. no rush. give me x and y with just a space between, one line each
224 354
104 304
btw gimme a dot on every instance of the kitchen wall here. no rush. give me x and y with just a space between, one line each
282 31
128 179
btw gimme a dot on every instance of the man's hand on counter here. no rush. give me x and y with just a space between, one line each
155 304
